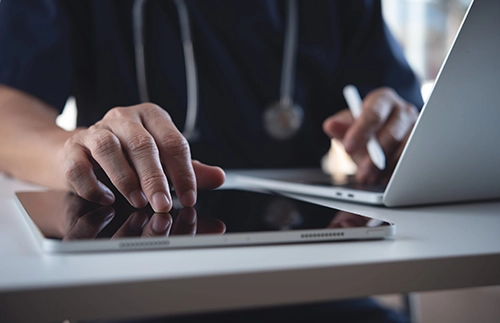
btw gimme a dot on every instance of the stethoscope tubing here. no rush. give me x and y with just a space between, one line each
289 55
189 130
190 62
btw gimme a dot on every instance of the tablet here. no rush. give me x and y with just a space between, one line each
64 222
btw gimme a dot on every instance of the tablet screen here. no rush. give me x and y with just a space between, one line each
67 217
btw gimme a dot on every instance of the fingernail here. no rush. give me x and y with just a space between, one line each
137 199
137 222
160 224
160 202
188 198
107 199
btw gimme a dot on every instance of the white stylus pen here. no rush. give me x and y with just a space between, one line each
355 104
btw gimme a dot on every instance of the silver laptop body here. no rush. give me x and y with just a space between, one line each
453 153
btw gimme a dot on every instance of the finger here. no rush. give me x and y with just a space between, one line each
392 162
89 225
79 173
397 128
377 107
133 226
367 172
337 125
158 226
185 223
207 224
142 151
208 177
174 152
106 149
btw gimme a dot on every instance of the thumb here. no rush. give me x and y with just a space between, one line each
208 177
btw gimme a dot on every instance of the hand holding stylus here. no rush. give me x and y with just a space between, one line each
355 104
373 131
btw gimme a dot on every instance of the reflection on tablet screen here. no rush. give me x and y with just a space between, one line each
67 217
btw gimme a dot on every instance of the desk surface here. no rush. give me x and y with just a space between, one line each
436 247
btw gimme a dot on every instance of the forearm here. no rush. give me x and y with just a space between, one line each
30 140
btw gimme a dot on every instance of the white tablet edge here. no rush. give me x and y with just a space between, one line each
209 240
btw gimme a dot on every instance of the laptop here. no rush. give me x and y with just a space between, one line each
453 153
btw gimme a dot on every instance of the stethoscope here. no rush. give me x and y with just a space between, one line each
281 119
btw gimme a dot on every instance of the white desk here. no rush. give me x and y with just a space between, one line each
437 247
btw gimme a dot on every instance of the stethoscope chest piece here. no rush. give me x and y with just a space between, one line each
283 120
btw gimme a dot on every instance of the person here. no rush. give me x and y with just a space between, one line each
51 50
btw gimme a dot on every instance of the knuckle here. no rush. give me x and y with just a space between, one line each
141 143
116 113
153 110
75 172
176 146
397 131
384 95
153 180
403 123
381 102
410 110
124 182
374 113
148 106
104 143
70 143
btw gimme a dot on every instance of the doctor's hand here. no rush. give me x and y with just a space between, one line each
384 114
140 150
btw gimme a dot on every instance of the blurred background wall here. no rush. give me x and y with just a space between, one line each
426 30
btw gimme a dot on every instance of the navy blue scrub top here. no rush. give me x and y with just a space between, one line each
56 49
